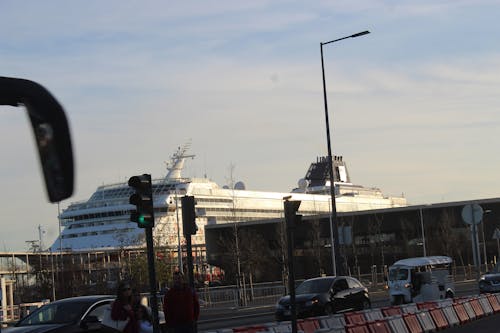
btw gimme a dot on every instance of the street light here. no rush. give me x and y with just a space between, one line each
333 223
487 211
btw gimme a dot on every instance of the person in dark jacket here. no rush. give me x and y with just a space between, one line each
181 306
122 308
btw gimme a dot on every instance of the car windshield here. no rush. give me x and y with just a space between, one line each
55 313
314 286
398 274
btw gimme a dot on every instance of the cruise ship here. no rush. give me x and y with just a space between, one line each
103 221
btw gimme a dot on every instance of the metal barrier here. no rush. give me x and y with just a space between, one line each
231 296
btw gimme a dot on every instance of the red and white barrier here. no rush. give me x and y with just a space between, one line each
373 314
485 304
397 324
451 315
408 318
494 302
357 328
425 320
309 325
468 308
392 311
412 323
439 318
335 321
409 308
357 317
379 326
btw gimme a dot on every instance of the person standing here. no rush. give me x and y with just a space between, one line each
122 308
144 319
181 306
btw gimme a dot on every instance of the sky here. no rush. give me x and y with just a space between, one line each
414 105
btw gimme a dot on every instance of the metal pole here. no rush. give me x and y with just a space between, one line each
475 247
332 247
53 280
338 263
291 208
60 275
423 232
498 248
179 248
189 251
484 246
333 216
152 278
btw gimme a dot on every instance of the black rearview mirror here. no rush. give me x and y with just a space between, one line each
50 129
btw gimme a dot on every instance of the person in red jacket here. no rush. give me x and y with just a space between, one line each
181 306
122 308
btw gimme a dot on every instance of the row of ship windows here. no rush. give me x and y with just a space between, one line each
95 233
105 214
125 191
200 212
98 203
198 201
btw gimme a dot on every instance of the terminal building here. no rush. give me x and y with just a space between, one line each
369 240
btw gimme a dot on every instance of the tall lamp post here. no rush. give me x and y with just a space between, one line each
486 212
334 229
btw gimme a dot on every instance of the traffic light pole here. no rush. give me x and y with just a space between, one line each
143 215
189 228
189 252
291 208
152 278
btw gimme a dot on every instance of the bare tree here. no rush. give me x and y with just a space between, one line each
315 243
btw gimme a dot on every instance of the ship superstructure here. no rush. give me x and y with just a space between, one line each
103 221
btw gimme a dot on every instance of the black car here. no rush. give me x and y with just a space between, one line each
324 296
70 315
490 282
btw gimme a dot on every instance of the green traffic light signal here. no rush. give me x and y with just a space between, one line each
142 198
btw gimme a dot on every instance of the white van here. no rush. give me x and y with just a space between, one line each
420 279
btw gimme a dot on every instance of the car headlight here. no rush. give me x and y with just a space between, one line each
311 302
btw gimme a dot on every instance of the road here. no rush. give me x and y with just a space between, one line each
488 324
219 318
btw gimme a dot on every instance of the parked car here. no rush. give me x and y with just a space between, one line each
324 296
490 282
69 315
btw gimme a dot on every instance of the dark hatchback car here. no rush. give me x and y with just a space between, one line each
324 296
70 315
490 282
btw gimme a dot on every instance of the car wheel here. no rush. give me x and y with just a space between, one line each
398 300
449 294
366 305
328 309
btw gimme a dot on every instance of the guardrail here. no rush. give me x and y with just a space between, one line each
233 296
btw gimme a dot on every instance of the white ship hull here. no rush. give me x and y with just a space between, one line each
103 221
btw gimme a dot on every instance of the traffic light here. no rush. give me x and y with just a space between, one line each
143 200
291 216
188 215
